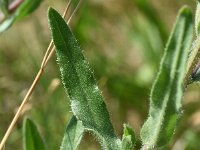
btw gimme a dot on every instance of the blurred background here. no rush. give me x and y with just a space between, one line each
123 40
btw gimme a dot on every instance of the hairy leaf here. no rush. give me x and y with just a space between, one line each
86 100
73 135
197 19
31 137
128 139
167 90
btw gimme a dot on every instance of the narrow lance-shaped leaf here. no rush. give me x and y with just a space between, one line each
31 137
197 19
73 135
86 100
167 90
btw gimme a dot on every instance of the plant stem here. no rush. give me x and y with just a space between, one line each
45 60
192 61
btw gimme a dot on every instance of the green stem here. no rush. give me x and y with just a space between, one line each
192 61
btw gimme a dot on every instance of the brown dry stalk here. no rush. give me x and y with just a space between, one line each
46 58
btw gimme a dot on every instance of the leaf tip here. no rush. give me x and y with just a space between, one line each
50 11
185 10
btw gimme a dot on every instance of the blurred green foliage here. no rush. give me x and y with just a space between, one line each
31 137
15 10
123 41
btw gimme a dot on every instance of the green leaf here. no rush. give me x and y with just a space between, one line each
167 90
86 100
73 135
27 7
128 139
197 19
31 137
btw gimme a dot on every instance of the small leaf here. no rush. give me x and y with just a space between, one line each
86 100
128 139
27 7
4 7
31 137
167 90
126 143
197 19
73 135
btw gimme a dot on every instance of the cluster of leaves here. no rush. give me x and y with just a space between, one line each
87 103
